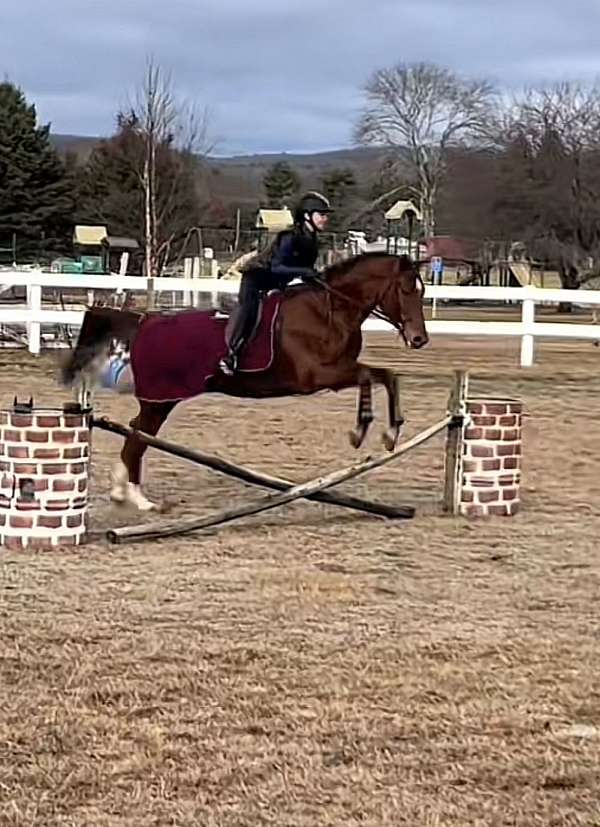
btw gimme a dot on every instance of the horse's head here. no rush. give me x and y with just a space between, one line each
402 301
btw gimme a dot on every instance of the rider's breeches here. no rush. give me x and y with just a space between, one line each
254 284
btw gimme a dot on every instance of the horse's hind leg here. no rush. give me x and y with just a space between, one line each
126 476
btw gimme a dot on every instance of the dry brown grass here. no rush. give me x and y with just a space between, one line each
317 667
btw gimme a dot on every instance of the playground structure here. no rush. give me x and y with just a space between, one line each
96 252
518 269
402 213
508 264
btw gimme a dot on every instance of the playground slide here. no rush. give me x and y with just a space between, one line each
524 274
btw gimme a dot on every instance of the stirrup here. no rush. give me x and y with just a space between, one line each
229 364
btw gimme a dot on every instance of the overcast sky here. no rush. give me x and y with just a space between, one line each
278 75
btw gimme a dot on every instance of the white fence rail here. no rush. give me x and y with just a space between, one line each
34 315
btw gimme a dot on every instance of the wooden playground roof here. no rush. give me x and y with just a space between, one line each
121 243
88 234
274 220
397 211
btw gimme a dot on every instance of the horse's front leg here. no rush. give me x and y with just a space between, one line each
364 414
337 377
391 383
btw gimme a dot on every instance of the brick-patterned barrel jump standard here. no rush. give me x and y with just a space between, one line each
491 462
44 458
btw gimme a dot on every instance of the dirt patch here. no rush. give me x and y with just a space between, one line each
315 666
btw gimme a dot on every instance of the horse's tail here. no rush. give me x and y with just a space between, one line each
100 326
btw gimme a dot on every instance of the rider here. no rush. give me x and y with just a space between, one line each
293 255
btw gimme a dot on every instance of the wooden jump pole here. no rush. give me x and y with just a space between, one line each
253 477
169 529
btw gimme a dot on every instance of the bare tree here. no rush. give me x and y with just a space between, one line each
419 111
558 130
165 125
570 110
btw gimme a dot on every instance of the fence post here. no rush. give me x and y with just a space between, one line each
196 276
457 406
528 322
28 302
34 332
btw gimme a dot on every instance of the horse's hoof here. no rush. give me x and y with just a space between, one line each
148 505
357 437
136 497
390 438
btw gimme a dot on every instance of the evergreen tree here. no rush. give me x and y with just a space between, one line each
35 191
339 186
281 184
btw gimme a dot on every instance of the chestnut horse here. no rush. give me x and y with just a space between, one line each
317 345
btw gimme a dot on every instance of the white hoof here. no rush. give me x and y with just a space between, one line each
123 491
120 480
136 497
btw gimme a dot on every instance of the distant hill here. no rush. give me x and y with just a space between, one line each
82 145
239 177
314 160
79 145
362 160
466 204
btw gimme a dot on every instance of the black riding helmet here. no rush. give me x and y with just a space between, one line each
309 203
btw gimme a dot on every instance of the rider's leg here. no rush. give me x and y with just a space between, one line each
249 302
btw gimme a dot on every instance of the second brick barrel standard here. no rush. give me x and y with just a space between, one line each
492 453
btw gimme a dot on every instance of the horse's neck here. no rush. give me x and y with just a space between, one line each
362 288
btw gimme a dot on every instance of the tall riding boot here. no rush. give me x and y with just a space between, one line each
229 363
249 298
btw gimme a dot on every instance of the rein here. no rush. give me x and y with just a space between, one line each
375 312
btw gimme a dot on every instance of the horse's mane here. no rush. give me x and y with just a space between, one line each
341 268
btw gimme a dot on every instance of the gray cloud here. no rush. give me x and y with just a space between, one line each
274 76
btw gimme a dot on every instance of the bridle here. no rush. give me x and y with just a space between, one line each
379 314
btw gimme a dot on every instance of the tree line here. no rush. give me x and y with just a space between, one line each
142 182
476 164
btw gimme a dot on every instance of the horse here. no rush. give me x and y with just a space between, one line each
316 345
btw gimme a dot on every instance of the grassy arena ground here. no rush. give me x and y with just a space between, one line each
316 667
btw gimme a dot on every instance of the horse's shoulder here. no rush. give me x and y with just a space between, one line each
301 291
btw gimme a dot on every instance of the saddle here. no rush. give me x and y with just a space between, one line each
268 300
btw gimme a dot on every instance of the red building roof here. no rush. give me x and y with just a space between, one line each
451 249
